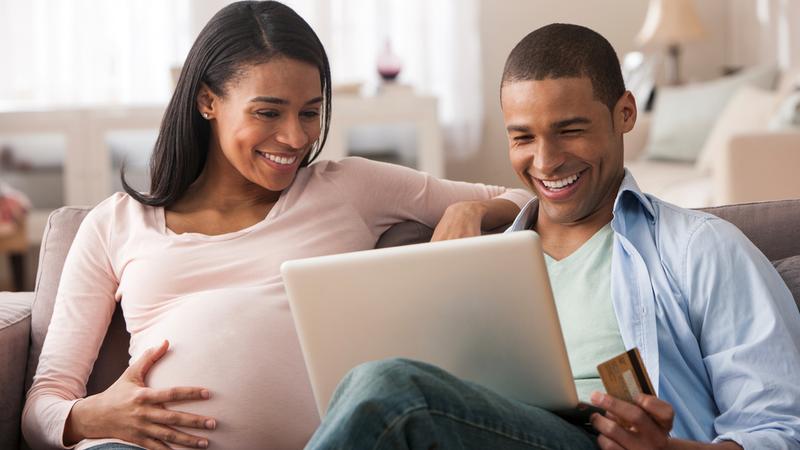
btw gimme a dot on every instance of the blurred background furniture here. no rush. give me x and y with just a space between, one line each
25 316
710 143
671 24
394 105
15 247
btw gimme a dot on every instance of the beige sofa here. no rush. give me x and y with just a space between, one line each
24 317
749 162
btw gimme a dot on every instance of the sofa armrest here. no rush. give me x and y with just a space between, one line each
15 327
758 167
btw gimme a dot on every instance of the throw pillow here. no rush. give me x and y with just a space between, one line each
788 115
789 269
683 115
748 110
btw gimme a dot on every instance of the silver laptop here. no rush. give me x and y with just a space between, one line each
480 308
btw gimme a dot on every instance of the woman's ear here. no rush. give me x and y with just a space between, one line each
206 101
625 113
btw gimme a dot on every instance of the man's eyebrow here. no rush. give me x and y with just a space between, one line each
569 122
281 101
518 128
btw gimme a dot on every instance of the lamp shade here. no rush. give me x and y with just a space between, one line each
670 22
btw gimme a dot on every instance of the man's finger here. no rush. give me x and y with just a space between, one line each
659 410
175 394
606 443
627 412
613 431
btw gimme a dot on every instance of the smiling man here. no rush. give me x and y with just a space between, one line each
718 329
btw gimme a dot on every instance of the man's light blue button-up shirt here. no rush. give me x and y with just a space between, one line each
716 325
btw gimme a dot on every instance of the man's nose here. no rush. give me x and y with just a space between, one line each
547 157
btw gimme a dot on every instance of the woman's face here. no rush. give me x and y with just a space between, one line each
267 121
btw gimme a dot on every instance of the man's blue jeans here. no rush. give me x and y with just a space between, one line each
402 404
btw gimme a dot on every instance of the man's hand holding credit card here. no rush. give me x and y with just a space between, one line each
629 393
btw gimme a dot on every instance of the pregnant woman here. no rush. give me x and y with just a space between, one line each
194 262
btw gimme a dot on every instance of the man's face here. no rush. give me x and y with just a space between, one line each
566 145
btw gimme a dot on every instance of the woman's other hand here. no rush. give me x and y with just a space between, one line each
131 411
466 219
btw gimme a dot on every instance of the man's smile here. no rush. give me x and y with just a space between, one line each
559 188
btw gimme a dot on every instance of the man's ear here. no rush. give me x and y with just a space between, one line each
625 113
206 101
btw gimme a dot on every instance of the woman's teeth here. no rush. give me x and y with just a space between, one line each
562 183
284 160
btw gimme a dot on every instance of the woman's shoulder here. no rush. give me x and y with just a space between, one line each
119 209
356 168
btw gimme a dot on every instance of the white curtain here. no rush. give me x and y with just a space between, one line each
765 32
87 52
437 42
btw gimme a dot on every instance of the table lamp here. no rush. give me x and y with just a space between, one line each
670 24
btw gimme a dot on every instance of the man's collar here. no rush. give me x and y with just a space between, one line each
629 185
627 189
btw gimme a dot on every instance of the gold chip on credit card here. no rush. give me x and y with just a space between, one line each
625 376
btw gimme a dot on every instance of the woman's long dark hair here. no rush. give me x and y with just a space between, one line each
241 34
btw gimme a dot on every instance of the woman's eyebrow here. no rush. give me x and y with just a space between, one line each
264 99
281 101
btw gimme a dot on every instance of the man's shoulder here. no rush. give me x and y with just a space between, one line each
686 231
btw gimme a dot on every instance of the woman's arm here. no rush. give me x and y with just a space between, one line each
55 414
385 194
464 219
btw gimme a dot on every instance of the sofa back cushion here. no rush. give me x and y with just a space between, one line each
772 226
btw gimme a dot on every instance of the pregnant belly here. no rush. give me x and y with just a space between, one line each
242 346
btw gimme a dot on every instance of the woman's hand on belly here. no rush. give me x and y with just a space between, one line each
130 411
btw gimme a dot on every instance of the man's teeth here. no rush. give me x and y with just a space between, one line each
286 160
562 183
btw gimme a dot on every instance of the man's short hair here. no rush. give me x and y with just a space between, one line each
563 50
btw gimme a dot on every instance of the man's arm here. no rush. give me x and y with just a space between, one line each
748 329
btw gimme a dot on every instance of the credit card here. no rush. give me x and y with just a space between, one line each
625 376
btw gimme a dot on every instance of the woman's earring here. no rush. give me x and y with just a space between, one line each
205 115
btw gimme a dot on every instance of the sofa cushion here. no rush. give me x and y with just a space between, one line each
683 115
15 326
789 268
62 225
771 226
749 110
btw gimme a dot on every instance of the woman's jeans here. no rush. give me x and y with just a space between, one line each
402 404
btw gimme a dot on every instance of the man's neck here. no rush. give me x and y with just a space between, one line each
560 240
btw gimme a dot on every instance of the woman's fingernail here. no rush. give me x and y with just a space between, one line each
597 397
203 444
205 394
210 424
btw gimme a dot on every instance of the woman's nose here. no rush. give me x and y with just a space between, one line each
293 134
